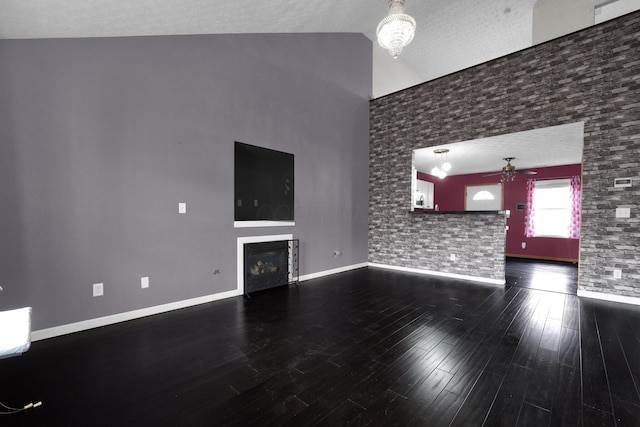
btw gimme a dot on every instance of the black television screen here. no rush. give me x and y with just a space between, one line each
263 184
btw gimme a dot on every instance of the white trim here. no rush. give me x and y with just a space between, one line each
333 271
130 315
150 311
251 224
609 297
240 253
500 282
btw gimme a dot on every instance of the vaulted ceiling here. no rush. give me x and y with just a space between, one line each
451 34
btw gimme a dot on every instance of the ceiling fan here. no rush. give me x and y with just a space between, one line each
509 171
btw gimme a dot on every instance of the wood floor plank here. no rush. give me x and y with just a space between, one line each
528 347
419 370
544 377
479 400
532 416
566 410
440 412
510 397
631 349
571 314
595 386
569 348
379 414
619 376
509 343
592 417
344 413
367 393
423 396
626 412
464 379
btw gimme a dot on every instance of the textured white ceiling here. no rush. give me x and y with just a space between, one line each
552 146
451 35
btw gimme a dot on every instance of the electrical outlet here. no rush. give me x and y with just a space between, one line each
98 289
524 245
337 253
452 257
617 273
144 282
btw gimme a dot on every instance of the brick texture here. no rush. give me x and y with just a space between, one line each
591 76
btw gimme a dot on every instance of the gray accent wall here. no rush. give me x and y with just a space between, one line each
101 138
591 76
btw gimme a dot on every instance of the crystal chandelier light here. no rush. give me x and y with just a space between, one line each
396 30
442 165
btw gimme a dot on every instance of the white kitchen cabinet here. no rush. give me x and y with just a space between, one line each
423 196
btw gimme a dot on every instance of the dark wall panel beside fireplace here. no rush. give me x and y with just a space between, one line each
101 138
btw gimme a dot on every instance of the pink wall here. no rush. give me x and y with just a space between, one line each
449 196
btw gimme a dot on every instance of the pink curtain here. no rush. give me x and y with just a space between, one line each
529 230
575 190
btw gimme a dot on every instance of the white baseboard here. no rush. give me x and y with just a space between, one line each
70 328
130 315
609 297
84 325
333 271
499 282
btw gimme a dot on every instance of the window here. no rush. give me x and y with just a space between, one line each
483 195
553 208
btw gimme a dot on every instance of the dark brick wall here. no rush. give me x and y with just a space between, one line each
592 76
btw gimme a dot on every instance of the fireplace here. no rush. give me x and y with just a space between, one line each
266 261
266 265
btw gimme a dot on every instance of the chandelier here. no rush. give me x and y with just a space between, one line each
442 165
396 30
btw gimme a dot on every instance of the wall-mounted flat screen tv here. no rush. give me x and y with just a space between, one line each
263 184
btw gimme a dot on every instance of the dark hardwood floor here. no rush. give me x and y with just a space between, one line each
554 276
366 347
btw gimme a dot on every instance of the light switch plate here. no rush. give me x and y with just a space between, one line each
623 212
98 289
182 208
144 282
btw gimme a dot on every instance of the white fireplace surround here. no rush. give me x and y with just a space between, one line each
256 239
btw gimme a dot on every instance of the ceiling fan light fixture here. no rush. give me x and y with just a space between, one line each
396 30
508 171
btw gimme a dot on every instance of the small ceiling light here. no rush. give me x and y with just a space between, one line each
442 165
397 29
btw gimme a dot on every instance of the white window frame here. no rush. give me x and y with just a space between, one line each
537 209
